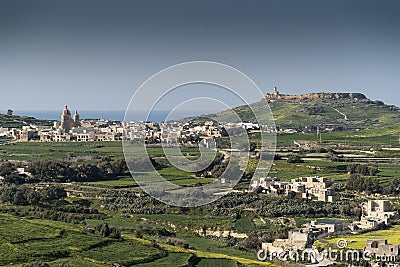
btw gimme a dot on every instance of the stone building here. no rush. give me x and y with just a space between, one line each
67 122
374 214
328 227
314 188
351 96
377 209
297 239
317 188
380 247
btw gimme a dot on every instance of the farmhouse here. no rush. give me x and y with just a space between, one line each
374 213
380 247
297 239
314 188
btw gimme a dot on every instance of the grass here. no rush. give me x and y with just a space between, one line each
123 181
172 259
216 263
368 138
59 150
244 225
117 223
126 253
212 246
193 181
192 221
27 240
287 171
359 241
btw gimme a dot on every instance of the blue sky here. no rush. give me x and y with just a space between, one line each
94 54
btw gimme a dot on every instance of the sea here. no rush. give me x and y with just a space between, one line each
115 115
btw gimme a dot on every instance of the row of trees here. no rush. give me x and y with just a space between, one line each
371 185
360 183
287 206
362 169
63 171
25 195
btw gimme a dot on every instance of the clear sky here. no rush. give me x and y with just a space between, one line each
94 54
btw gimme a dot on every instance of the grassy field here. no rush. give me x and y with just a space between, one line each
216 263
244 225
59 150
359 241
119 182
27 240
207 244
62 150
287 171
387 136
192 221
172 259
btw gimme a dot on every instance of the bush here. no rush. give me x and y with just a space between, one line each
295 159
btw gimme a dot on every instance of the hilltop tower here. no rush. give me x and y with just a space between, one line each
275 92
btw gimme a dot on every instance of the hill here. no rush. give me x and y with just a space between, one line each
11 121
333 111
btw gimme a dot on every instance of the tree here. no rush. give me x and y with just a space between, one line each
19 199
394 186
10 112
362 169
33 197
295 159
52 193
105 230
14 178
363 184
6 168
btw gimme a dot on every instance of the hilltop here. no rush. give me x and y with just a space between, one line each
331 111
12 121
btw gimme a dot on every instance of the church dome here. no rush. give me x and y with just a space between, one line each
66 111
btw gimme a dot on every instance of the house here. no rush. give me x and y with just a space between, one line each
314 188
374 213
365 224
317 188
379 209
297 239
380 247
327 227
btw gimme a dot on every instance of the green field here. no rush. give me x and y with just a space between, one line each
119 182
27 240
172 259
244 225
359 241
60 150
216 263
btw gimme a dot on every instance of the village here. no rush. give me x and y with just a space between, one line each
375 215
72 129
376 211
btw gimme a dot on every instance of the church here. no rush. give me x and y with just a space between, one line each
67 122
